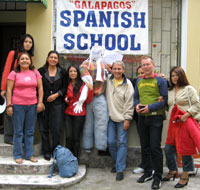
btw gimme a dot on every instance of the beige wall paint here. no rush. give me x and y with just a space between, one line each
39 23
193 47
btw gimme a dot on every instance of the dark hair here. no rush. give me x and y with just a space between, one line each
18 68
182 79
21 49
78 82
51 52
138 68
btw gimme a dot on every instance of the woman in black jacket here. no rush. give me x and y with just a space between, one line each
54 80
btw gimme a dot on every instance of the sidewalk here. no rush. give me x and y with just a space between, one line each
102 179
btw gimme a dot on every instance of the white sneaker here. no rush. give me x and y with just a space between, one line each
138 170
88 151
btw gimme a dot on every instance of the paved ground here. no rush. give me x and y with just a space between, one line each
102 179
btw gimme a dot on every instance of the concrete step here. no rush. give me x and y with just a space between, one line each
7 149
40 181
8 166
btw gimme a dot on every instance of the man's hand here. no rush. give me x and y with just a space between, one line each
142 110
160 99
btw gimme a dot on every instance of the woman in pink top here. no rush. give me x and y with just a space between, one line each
23 104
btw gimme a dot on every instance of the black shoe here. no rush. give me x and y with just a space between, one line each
47 157
119 176
156 183
113 170
103 153
144 178
179 185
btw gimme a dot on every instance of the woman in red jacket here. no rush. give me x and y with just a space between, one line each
76 97
179 94
27 45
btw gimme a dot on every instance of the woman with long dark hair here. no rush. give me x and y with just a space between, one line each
179 94
27 45
76 97
23 104
54 79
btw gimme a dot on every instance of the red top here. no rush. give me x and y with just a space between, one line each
72 99
7 68
185 136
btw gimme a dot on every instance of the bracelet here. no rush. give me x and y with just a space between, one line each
9 105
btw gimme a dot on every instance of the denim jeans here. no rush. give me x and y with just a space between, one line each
150 139
95 127
24 118
171 159
118 148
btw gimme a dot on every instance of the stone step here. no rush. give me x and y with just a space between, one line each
40 181
7 149
8 166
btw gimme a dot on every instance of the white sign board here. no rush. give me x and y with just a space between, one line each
120 26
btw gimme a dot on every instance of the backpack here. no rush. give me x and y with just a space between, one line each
65 161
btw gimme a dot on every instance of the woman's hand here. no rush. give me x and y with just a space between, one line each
9 111
185 116
40 107
126 125
52 97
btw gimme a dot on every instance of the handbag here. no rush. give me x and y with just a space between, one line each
196 116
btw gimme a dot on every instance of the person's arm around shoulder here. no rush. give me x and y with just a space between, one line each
163 89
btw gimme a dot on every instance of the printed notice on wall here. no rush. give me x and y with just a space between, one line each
120 26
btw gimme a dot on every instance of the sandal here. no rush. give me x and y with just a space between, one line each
33 159
170 175
19 160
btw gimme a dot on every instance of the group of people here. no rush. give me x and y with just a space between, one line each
153 94
98 101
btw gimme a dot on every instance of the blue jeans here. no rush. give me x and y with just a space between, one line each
24 118
171 159
150 139
95 127
118 149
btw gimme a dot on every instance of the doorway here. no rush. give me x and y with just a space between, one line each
10 36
